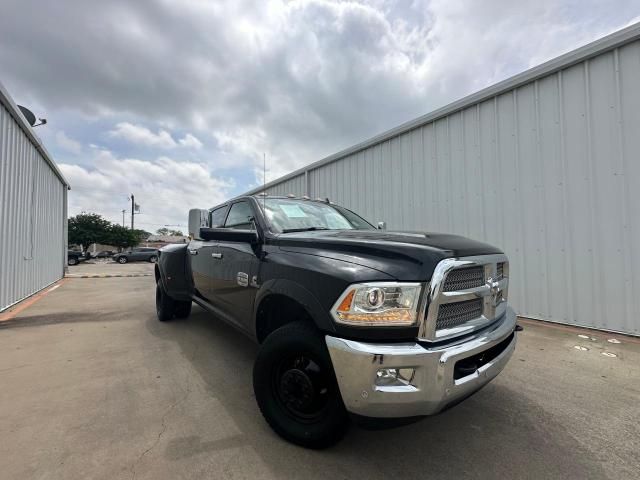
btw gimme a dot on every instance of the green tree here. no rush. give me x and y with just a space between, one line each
122 237
166 231
141 235
88 228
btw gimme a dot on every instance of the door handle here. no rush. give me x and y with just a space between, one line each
193 252
216 255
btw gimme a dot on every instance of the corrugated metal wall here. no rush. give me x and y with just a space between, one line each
291 185
548 171
32 218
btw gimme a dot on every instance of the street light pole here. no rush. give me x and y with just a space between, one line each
123 210
133 204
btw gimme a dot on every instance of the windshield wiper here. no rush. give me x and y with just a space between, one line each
306 229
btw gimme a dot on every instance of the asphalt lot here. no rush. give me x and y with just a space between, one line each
93 386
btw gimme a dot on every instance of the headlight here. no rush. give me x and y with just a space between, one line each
378 304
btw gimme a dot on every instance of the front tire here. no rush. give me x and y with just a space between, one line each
168 308
123 260
153 258
183 309
296 388
165 305
72 261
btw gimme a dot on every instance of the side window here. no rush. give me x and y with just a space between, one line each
217 217
240 216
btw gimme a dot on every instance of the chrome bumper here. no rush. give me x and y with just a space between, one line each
433 386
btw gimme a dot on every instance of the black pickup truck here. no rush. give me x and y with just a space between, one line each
354 322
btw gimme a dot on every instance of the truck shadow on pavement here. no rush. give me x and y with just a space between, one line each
28 321
497 433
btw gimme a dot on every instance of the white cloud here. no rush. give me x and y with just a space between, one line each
340 72
190 141
296 79
166 188
68 144
139 135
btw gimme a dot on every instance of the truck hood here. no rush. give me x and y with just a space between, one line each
406 256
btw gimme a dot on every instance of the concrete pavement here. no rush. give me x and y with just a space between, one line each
107 268
93 386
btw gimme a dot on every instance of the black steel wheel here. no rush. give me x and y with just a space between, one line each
301 386
296 389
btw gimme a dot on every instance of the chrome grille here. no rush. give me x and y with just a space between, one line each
464 295
454 314
463 279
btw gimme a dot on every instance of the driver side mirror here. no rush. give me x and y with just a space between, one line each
382 225
198 218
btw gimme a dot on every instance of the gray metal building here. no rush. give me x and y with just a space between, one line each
33 210
545 164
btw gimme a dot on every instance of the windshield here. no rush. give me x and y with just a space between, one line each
289 215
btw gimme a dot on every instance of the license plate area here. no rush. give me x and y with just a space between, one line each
470 365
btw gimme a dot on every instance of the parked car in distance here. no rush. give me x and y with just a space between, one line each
75 257
103 254
353 322
139 254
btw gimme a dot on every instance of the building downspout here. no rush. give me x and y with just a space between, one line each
65 231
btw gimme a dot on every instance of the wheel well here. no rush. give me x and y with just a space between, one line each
275 311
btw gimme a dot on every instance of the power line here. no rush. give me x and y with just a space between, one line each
161 224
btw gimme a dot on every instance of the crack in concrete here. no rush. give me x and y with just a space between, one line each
162 430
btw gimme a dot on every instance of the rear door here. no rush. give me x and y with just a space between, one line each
200 254
235 269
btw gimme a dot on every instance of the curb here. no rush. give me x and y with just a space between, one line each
10 312
107 275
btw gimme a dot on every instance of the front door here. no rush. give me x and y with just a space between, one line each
201 265
203 258
235 270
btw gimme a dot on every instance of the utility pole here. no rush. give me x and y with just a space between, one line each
123 210
133 206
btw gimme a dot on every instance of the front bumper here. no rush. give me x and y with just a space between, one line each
434 385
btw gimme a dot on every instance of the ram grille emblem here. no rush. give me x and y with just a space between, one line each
495 291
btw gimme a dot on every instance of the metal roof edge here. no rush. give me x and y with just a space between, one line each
609 42
14 111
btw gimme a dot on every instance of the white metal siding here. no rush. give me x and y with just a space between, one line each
292 185
547 169
32 201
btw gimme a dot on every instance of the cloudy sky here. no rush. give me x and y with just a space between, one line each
176 101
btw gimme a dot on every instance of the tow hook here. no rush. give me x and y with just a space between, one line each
519 328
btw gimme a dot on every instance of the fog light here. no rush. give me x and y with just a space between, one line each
394 377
